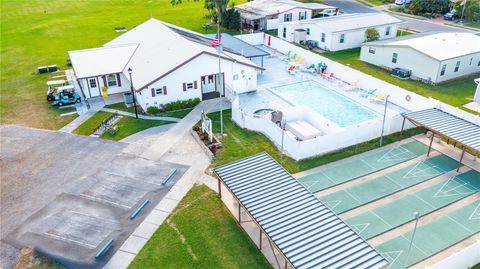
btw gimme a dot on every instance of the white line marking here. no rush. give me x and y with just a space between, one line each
71 240
476 213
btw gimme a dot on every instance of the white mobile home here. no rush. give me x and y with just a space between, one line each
166 66
339 32
432 57
260 15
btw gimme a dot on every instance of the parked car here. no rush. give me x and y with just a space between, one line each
403 2
450 16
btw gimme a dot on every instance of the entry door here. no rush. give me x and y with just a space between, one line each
211 86
93 87
208 84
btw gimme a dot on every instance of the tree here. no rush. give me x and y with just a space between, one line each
231 19
472 10
220 5
429 6
371 34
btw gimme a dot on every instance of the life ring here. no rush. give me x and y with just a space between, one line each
408 98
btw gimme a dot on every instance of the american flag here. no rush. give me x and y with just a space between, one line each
218 39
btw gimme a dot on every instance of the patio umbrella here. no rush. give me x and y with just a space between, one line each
476 98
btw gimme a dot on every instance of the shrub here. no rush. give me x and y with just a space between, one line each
177 105
153 110
371 34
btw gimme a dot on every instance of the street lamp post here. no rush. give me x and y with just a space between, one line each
405 262
383 123
133 94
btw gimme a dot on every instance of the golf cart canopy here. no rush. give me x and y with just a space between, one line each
68 87
56 82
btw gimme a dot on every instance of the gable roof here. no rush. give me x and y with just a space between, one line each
352 21
438 45
305 230
101 61
159 51
272 7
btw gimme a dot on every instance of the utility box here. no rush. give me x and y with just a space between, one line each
128 98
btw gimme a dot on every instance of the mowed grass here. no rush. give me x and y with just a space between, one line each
126 125
455 93
241 143
200 233
36 33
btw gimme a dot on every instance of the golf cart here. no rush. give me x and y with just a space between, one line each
66 95
51 88
450 16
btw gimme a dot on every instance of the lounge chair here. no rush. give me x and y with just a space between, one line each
365 94
309 69
352 87
287 56
331 76
377 98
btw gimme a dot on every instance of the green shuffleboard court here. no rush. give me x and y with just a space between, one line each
387 184
433 237
363 166
398 212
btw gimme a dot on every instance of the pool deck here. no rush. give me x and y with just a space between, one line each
276 74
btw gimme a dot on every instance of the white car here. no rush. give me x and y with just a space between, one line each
402 2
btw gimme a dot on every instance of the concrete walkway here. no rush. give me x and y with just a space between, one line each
176 145
141 116
146 133
78 121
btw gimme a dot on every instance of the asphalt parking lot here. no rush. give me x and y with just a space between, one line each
68 195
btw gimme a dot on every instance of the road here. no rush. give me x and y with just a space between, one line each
352 6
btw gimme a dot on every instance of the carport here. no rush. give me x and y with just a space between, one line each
295 223
463 133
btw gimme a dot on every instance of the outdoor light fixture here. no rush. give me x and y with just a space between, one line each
133 94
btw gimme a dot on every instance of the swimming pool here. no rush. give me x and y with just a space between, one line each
334 106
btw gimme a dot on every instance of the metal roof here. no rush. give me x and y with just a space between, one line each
458 129
240 47
308 233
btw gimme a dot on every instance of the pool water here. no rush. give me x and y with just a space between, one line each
333 106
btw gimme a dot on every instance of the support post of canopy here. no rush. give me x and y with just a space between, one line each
430 146
403 125
219 188
461 158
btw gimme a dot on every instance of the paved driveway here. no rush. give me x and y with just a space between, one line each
352 6
68 195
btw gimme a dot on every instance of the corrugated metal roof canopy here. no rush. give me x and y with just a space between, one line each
441 122
308 233
240 47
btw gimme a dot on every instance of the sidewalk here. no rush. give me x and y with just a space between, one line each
78 121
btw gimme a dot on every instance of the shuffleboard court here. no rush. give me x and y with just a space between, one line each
394 214
363 166
374 189
432 237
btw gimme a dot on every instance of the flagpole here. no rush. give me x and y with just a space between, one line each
219 77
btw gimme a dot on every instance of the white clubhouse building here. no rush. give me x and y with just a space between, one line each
168 63
339 32
432 57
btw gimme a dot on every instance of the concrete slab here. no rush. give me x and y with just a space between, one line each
156 217
133 244
145 229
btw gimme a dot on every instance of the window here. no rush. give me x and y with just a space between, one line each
323 38
111 80
342 38
471 59
394 57
235 77
308 31
189 86
93 83
444 67
478 63
457 66
387 31
371 50
284 32
302 15
287 17
159 91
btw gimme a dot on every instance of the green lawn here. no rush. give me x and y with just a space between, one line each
36 33
126 126
200 233
401 32
474 25
454 93
174 114
241 143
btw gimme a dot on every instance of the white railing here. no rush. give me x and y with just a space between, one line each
397 95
